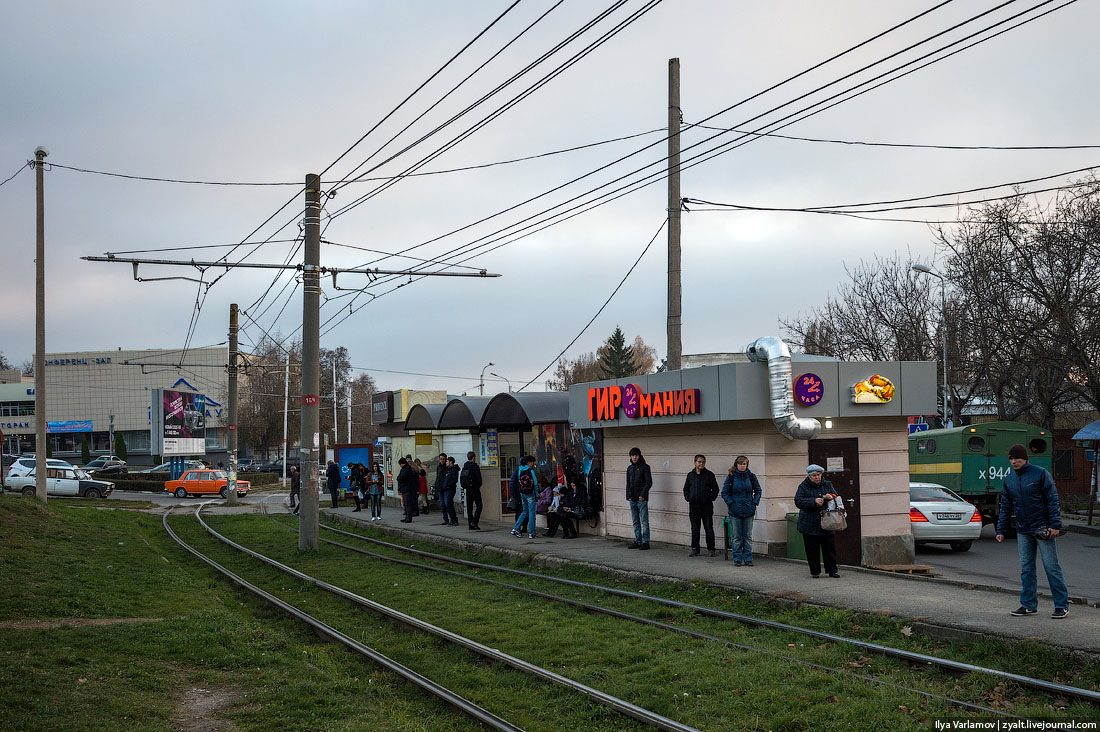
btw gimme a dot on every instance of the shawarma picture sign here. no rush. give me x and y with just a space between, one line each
875 389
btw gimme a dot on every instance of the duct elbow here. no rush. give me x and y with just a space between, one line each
778 356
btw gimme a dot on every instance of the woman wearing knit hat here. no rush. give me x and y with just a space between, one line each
812 495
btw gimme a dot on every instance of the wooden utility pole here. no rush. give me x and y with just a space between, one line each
675 347
231 428
308 529
40 437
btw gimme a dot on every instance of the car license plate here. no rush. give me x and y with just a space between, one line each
949 516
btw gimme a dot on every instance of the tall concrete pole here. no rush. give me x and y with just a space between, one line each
310 451
231 428
675 347
40 329
335 407
286 410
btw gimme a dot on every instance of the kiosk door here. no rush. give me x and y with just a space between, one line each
840 458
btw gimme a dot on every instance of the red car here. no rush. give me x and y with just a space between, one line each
204 482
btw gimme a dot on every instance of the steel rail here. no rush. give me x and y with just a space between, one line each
623 707
463 705
1051 687
668 626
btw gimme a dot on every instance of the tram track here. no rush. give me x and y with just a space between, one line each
588 607
621 706
913 657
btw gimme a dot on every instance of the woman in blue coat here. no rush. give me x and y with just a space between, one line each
812 495
741 492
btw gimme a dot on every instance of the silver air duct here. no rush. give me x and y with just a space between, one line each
775 352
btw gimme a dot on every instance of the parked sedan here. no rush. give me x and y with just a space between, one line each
204 482
68 481
166 468
938 516
106 466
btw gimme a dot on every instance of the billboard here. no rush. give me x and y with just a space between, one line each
178 422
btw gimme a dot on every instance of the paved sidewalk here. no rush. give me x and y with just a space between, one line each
943 608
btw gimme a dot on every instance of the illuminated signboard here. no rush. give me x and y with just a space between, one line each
604 402
875 389
808 389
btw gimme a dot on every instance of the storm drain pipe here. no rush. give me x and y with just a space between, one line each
775 352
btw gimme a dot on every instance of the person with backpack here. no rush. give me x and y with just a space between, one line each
470 480
639 480
447 497
527 484
741 492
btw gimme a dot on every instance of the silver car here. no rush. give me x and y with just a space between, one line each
68 481
938 516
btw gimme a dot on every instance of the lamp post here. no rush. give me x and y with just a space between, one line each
493 373
925 269
481 385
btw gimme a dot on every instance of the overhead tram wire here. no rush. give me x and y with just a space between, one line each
658 176
198 302
18 170
512 102
593 318
352 178
723 111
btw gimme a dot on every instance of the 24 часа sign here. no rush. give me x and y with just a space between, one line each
604 402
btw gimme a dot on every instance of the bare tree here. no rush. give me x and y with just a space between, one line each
586 367
260 409
645 356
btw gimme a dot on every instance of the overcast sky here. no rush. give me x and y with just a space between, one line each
268 91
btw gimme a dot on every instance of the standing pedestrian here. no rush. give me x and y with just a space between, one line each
295 490
527 484
422 490
447 498
407 487
332 477
356 489
812 495
470 479
1030 491
700 490
375 485
742 493
639 480
440 473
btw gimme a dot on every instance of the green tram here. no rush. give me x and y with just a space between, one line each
973 460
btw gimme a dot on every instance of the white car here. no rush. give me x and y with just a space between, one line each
938 516
67 481
24 466
166 468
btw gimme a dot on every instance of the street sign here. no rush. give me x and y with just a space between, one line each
914 428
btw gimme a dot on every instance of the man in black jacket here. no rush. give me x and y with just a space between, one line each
440 475
470 479
700 490
408 485
332 477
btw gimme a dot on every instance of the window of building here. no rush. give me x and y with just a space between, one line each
1063 463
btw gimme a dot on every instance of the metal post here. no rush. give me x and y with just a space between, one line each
349 412
943 302
335 408
1093 487
286 408
311 363
40 416
231 428
675 347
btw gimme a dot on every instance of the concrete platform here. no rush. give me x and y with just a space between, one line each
937 607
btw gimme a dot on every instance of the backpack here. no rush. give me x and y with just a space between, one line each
526 483
464 478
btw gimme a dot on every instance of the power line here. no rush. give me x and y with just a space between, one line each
18 170
896 144
593 318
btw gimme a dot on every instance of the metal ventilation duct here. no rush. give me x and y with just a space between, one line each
775 352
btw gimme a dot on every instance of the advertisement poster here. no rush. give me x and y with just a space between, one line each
184 423
488 447
570 456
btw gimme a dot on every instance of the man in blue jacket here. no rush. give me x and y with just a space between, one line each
1030 491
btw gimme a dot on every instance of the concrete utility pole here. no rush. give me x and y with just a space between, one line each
335 408
40 329
349 412
675 347
286 411
308 529
231 428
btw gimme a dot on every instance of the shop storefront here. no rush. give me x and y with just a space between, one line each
849 417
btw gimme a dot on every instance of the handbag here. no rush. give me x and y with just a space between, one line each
836 520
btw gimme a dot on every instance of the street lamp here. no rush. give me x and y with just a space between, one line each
925 269
481 386
491 373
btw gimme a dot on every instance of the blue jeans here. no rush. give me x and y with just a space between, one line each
447 504
375 504
741 537
528 511
1026 543
639 512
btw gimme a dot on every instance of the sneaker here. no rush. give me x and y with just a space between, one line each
739 563
644 545
748 564
635 545
515 533
1021 611
694 553
1059 613
530 536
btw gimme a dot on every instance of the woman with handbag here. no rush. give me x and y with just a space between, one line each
812 497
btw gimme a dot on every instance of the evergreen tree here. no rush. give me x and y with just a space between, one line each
85 452
616 358
120 446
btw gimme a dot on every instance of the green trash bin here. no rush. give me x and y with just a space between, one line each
796 548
